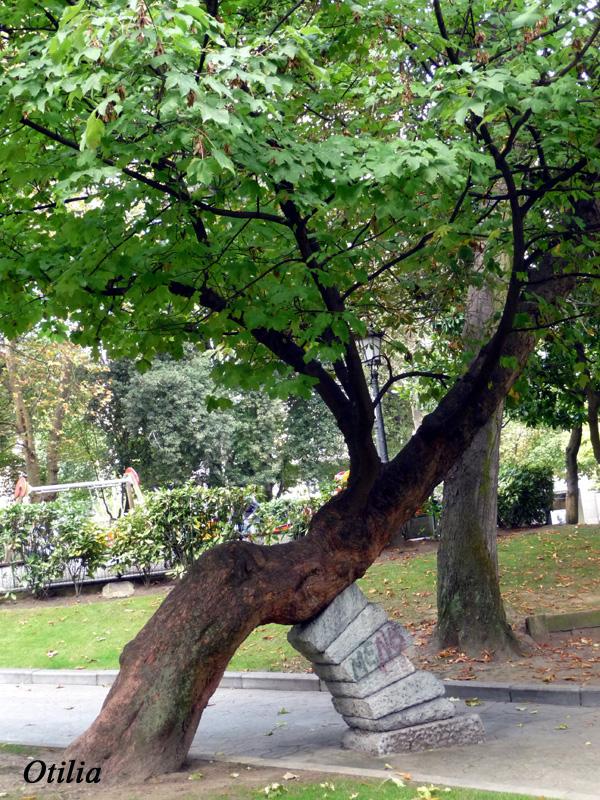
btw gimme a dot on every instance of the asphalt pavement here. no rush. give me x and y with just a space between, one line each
543 750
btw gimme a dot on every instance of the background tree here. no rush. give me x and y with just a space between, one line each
51 387
247 178
471 614
561 388
164 428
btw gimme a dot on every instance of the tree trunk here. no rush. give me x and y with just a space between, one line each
56 431
593 408
23 426
572 501
471 614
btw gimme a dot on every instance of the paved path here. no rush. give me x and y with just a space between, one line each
528 747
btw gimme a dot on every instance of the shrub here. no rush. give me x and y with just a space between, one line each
49 539
175 526
284 517
80 546
189 519
525 495
134 544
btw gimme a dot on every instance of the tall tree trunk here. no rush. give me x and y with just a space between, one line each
56 431
572 501
471 614
593 408
23 423
592 397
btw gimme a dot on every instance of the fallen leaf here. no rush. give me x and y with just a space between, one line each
396 781
289 776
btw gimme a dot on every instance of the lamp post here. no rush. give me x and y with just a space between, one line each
370 350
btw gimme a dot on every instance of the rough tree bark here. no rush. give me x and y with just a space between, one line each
471 613
23 423
593 410
55 434
170 670
592 396
572 501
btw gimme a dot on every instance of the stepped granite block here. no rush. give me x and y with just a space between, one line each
460 730
364 659
315 636
432 710
390 672
416 688
370 619
387 643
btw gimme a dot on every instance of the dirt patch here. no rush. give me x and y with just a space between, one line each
570 658
90 594
196 779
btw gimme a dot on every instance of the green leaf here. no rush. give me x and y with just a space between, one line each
198 14
529 17
218 115
93 132
202 170
223 160
71 12
509 362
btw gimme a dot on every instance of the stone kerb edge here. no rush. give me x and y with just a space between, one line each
588 696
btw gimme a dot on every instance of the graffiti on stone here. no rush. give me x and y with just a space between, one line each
387 643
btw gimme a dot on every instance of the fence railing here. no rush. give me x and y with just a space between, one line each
12 576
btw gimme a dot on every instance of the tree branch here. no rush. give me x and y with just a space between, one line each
416 373
165 188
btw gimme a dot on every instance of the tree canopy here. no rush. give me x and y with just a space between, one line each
247 176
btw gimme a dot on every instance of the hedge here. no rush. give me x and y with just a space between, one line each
59 539
525 495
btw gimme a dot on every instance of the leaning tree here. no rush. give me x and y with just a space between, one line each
243 176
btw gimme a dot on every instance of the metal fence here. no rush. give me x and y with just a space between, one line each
12 576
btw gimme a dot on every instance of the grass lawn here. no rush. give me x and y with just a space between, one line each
554 569
216 780
333 789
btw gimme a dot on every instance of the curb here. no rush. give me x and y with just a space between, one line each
586 696
298 765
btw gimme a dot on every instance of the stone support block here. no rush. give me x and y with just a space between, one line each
432 710
315 636
386 644
370 619
461 730
416 688
389 672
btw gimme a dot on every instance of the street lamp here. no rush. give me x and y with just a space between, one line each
370 350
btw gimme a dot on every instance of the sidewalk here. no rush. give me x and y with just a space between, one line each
561 694
546 750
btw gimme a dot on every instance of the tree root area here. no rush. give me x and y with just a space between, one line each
197 778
